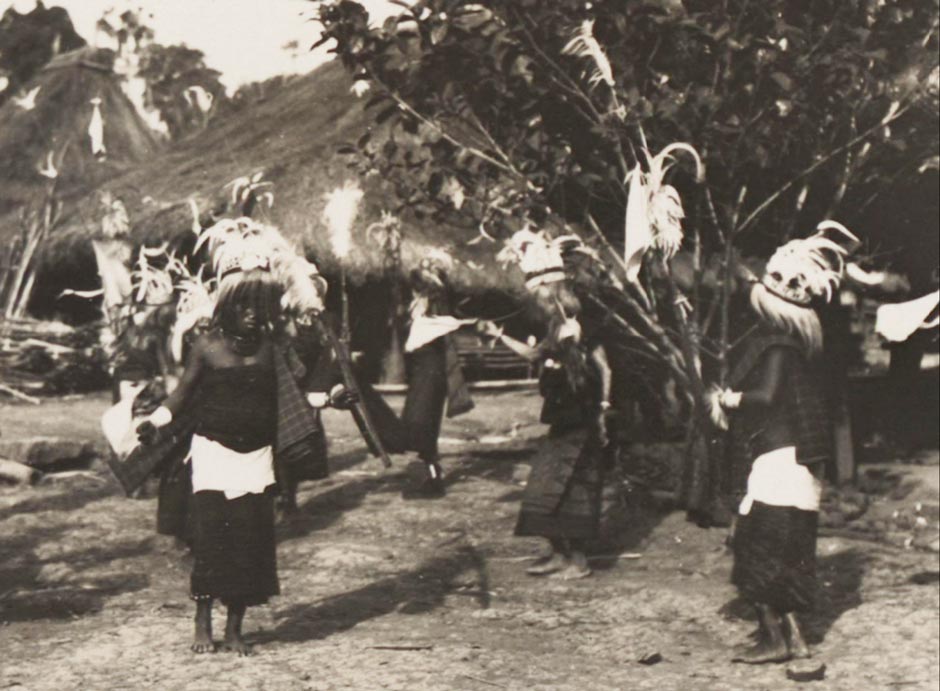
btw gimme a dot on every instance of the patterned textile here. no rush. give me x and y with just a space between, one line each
172 442
803 404
299 433
234 558
775 557
300 441
562 497
458 393
804 401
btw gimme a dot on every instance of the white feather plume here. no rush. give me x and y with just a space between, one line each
342 208
584 45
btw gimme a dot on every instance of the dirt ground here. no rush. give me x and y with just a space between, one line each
384 593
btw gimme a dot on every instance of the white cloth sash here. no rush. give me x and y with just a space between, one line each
427 329
778 480
217 467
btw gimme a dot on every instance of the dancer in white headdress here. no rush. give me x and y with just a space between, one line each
779 424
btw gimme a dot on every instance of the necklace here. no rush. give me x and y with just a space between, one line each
243 345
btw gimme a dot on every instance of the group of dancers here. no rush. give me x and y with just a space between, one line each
247 411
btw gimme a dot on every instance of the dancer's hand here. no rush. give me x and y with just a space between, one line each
147 433
342 398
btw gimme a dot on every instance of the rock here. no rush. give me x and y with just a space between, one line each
651 659
50 453
17 473
806 671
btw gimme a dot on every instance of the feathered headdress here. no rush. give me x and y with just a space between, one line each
536 255
540 257
654 210
242 245
802 270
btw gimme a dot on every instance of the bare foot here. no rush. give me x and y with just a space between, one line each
233 631
202 643
236 644
573 572
554 563
762 653
202 640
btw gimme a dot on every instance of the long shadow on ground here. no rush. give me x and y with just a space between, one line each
23 597
69 499
414 592
840 577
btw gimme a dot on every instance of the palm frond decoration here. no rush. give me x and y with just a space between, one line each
584 45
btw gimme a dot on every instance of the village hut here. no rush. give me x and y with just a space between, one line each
291 136
68 130
50 130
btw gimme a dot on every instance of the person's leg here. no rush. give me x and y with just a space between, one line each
202 641
796 643
233 629
772 647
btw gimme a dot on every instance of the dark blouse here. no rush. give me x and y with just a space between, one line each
237 406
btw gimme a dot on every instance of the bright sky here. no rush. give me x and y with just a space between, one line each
243 39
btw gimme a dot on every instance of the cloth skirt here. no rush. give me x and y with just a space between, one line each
174 501
427 396
775 556
562 497
234 548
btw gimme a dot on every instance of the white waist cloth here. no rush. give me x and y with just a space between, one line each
777 479
217 467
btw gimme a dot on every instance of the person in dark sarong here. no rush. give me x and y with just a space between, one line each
435 380
563 496
250 423
780 428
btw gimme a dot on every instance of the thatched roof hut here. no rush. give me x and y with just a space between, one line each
57 123
292 135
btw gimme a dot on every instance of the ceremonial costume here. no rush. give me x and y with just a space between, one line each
565 490
562 497
781 436
435 380
249 427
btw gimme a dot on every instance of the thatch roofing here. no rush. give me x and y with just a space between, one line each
58 123
292 136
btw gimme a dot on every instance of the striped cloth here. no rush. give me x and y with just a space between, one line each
298 432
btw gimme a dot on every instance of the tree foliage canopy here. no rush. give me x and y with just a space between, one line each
809 105
801 112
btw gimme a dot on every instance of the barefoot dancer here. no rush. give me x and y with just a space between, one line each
562 499
250 420
779 420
